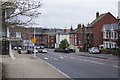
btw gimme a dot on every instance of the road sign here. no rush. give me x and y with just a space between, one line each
34 40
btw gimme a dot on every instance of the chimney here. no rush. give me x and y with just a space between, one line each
79 26
97 15
71 29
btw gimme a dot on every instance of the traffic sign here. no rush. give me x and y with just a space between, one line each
34 40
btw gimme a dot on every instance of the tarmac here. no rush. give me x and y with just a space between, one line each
102 56
24 66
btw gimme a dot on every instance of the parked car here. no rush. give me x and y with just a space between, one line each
62 50
42 50
94 50
15 48
31 51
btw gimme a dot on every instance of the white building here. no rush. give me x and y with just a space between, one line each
61 35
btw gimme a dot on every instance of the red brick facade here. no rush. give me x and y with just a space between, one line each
92 34
107 18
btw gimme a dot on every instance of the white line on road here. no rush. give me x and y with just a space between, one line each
55 58
61 57
91 61
96 62
46 58
116 66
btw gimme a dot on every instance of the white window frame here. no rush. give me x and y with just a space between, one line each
113 45
105 35
106 44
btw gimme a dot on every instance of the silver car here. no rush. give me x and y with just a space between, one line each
94 50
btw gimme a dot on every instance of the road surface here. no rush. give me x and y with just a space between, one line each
80 66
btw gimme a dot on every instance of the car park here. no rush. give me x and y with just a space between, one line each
94 50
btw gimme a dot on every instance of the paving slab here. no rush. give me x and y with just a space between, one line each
0 67
24 66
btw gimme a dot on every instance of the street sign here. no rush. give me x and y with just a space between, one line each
34 40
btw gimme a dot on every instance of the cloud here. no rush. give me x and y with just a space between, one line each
64 13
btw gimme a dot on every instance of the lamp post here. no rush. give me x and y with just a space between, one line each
118 33
34 45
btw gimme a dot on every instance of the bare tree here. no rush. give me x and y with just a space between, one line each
21 12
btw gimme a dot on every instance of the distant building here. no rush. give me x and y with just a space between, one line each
81 37
61 35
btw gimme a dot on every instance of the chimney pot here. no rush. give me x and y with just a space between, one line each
97 15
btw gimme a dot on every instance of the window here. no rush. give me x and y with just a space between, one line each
113 45
114 35
18 34
106 34
106 44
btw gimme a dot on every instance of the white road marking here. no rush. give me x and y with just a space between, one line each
91 61
96 62
45 58
61 57
55 58
116 66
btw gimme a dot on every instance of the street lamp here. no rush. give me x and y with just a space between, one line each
34 45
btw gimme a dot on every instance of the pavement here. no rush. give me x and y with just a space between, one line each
102 56
24 66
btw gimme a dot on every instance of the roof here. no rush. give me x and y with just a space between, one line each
97 19
110 27
74 31
63 32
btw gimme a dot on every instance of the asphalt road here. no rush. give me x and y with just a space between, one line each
80 66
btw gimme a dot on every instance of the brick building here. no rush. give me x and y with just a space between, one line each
91 35
97 25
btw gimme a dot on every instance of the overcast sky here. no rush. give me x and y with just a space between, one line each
64 13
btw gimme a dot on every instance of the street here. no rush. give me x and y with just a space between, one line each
80 66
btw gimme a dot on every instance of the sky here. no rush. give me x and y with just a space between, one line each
64 13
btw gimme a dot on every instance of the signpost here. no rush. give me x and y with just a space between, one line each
34 41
